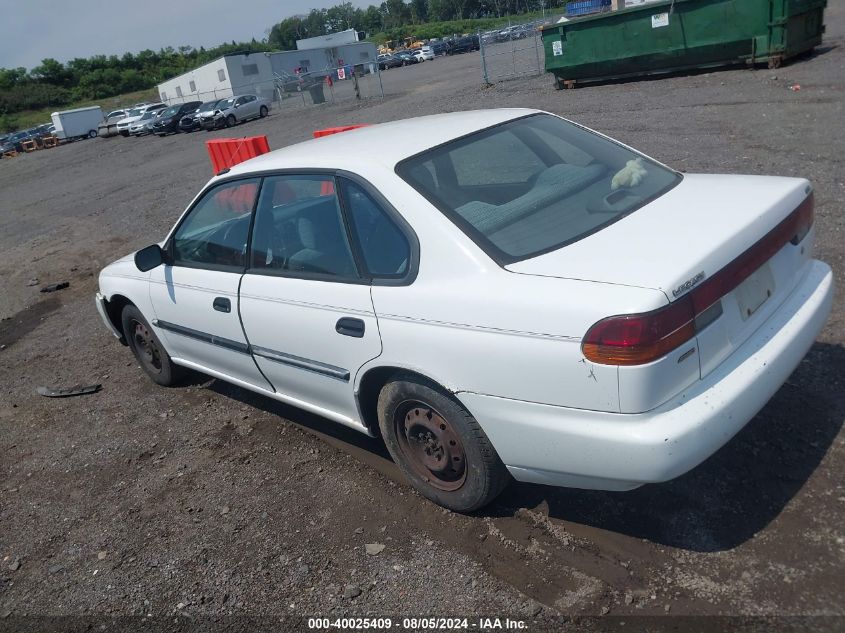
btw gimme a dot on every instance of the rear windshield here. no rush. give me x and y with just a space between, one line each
534 184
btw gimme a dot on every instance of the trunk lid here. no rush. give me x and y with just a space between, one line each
685 237
700 225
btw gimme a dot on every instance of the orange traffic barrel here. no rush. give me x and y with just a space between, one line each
226 152
336 130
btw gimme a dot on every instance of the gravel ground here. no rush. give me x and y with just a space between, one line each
205 502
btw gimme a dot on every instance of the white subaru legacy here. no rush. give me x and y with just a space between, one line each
499 293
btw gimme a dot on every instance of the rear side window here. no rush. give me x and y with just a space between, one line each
384 247
534 184
299 229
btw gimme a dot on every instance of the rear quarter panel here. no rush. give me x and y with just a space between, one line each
471 325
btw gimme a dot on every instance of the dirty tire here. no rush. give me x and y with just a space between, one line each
147 348
406 406
231 121
263 112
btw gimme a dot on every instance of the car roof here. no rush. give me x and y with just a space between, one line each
384 143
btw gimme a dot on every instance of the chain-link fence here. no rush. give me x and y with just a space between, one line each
347 83
513 51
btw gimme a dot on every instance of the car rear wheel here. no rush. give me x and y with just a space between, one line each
231 121
263 111
438 445
147 348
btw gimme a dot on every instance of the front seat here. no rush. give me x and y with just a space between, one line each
324 246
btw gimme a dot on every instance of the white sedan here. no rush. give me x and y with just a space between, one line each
500 293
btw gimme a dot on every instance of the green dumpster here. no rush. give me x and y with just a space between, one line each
673 35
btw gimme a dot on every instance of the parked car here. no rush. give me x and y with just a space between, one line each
439 48
515 32
144 125
15 141
135 114
406 57
424 54
465 44
191 121
7 144
503 293
44 130
116 115
298 82
386 62
234 110
168 121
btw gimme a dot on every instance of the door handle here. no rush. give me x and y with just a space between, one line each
222 304
350 327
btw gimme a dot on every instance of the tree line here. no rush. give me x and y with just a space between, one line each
390 19
56 84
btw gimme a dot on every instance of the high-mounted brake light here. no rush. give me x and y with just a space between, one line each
637 339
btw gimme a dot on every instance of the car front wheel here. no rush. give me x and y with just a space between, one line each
439 446
263 111
147 348
231 121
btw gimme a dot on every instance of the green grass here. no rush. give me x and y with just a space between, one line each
31 118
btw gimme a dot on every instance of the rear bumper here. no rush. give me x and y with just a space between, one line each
609 451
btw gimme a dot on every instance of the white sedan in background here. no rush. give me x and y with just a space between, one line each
135 114
498 294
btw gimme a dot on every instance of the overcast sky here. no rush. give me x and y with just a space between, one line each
31 30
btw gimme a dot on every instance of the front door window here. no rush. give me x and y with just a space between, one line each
215 233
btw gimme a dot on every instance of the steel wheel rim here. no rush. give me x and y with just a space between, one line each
147 347
430 445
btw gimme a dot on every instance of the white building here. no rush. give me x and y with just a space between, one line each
349 36
244 73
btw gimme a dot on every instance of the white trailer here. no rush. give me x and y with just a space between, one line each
78 123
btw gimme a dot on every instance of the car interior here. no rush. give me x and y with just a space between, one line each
304 235
526 188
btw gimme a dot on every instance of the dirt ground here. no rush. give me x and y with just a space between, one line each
206 501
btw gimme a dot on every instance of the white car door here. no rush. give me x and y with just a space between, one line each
306 297
195 294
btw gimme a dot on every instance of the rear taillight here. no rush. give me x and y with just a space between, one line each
806 216
637 339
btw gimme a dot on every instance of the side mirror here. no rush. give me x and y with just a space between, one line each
149 258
